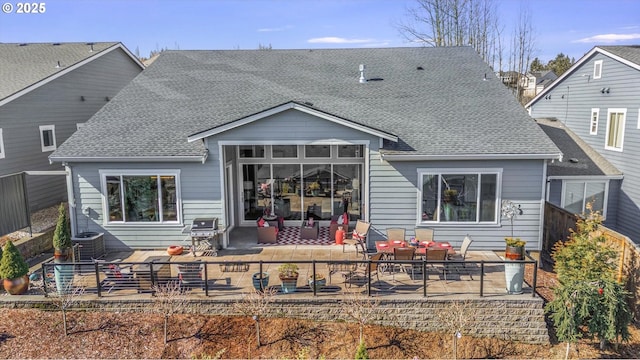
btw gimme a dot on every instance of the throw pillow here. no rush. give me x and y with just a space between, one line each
261 222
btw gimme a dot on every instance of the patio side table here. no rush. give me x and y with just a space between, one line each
309 232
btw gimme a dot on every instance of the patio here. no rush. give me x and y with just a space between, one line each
229 274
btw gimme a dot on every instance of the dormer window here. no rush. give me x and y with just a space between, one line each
597 69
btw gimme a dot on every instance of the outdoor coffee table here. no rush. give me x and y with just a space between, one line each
161 272
309 232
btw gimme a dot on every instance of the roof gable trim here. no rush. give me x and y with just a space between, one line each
577 65
281 108
50 78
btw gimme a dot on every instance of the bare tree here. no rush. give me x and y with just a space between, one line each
64 300
522 48
456 318
453 23
360 308
255 304
168 299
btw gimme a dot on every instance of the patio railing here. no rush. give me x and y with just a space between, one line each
226 277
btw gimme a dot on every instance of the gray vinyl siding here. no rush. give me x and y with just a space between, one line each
394 190
581 94
58 103
200 194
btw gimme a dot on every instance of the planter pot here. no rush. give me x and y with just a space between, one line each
17 286
514 277
318 284
63 273
260 285
514 253
289 284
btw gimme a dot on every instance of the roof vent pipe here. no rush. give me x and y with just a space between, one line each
362 78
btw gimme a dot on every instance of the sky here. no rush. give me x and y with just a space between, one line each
572 27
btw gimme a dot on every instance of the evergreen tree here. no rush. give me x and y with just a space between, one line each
588 294
362 353
560 64
12 264
62 234
537 65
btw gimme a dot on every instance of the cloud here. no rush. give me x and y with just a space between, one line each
338 40
284 28
608 38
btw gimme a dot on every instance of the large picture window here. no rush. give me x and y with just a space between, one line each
141 197
453 196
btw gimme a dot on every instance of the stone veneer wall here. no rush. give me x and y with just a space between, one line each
40 243
516 320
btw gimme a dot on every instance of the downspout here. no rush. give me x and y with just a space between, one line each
71 200
545 195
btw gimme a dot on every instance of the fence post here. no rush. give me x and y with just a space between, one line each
481 278
44 279
424 276
535 278
313 274
368 263
97 272
206 280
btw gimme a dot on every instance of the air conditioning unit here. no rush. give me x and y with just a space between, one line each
90 245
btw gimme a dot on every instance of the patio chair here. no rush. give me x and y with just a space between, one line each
190 275
462 254
438 255
403 254
395 234
423 234
365 273
117 277
359 237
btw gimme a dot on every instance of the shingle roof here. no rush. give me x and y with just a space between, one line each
447 108
579 159
629 52
22 65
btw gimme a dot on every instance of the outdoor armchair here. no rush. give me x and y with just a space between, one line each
359 237
395 234
190 275
423 234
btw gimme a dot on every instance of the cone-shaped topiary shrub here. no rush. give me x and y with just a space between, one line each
12 264
62 235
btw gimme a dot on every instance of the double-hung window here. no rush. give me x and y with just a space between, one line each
1 145
48 137
141 196
458 195
615 129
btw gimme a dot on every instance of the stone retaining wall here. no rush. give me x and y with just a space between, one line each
516 320
40 243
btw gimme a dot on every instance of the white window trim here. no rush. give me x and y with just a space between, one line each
595 111
605 200
459 171
132 172
623 124
53 136
597 74
2 154
80 125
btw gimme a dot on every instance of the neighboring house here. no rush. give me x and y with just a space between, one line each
536 81
419 137
598 98
47 91
583 176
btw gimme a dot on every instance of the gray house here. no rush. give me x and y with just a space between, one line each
47 91
400 137
598 100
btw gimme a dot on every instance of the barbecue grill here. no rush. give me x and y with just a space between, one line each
204 236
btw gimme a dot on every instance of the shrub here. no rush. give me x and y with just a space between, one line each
515 242
362 353
62 234
12 264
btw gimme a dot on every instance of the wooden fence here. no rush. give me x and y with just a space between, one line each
557 225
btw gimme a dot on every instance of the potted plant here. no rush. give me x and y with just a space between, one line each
260 280
14 270
288 274
62 251
318 282
514 273
515 248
